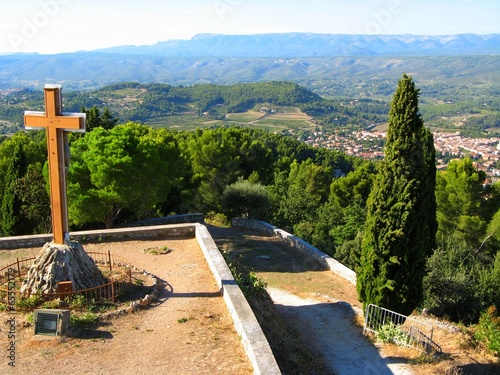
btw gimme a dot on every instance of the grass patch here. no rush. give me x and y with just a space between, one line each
85 319
158 250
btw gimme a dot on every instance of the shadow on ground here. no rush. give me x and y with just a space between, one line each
481 368
91 332
246 247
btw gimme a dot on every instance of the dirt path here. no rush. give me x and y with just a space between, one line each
187 331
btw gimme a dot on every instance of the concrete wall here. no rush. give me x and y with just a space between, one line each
166 220
144 229
245 322
324 259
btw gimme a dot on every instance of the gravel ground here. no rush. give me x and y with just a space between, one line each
188 330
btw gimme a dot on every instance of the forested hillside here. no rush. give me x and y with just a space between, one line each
161 99
154 103
472 110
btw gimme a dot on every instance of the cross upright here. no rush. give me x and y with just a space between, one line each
57 124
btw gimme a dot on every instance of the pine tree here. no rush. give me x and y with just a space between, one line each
400 229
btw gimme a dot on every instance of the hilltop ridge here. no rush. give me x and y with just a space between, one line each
317 45
304 58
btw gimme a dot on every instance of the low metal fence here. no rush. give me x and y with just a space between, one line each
119 281
415 333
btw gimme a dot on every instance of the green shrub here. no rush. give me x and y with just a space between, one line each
86 318
52 304
217 219
30 318
490 283
451 285
29 303
488 330
349 252
252 284
391 333
77 301
245 198
249 283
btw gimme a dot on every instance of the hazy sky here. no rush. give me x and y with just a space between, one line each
52 26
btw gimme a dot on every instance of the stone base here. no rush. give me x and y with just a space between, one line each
56 263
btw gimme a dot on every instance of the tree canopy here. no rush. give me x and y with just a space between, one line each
460 198
130 167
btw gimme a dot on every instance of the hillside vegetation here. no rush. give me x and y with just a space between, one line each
162 104
369 76
277 106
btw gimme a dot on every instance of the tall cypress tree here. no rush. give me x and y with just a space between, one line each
12 223
400 229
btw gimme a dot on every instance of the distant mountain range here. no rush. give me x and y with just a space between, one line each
317 45
298 57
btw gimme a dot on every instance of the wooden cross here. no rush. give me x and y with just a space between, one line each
56 123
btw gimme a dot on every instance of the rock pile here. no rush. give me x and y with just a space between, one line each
56 263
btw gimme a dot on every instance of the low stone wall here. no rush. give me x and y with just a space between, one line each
167 220
18 242
324 259
178 230
245 322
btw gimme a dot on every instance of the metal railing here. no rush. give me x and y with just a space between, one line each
416 334
119 281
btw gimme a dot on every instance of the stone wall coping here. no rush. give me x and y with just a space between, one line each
246 324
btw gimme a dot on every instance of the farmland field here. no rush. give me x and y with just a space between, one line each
281 119
247 116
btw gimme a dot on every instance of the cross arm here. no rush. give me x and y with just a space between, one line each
74 122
